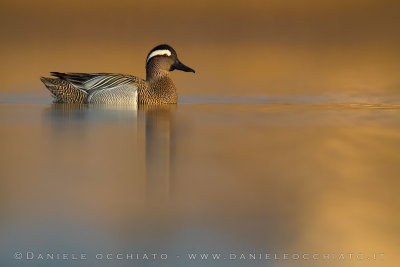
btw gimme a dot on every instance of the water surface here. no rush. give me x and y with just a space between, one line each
210 175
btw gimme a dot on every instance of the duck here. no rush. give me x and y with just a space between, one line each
113 88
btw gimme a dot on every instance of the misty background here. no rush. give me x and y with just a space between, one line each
236 47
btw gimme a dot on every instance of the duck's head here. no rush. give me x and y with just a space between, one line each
162 59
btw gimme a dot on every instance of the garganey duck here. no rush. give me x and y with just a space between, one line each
110 88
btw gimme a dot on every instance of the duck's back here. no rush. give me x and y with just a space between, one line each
99 88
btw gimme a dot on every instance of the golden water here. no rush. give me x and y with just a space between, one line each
228 175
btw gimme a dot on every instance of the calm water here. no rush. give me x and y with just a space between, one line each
210 175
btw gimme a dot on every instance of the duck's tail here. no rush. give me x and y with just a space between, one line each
63 91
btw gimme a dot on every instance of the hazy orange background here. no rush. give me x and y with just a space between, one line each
237 47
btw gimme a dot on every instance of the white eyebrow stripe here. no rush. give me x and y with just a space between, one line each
158 53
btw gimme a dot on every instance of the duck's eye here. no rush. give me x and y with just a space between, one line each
163 52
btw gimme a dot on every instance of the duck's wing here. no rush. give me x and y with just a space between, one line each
97 81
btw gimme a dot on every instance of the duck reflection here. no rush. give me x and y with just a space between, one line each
72 113
158 126
150 154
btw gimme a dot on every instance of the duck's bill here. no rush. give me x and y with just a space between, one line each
180 66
